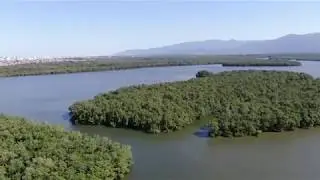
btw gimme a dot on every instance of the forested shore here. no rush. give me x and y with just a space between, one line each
264 63
240 103
38 151
297 56
118 63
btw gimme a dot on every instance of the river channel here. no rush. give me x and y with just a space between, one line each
177 156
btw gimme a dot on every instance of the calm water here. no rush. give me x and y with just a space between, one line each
178 156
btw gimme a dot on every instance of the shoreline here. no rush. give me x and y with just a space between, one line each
68 67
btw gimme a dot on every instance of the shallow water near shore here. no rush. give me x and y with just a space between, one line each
179 155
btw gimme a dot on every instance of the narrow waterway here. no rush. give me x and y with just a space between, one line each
177 156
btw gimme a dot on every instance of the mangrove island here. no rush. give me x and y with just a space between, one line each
241 103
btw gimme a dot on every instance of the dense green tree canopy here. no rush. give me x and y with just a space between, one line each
240 102
203 73
30 151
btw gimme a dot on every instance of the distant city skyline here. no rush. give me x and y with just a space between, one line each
104 28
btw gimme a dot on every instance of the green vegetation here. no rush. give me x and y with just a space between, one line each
36 151
298 57
117 63
203 73
241 102
263 63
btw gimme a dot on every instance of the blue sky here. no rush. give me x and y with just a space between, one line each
102 28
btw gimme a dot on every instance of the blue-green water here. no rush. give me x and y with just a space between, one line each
181 155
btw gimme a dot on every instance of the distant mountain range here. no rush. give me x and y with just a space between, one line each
292 43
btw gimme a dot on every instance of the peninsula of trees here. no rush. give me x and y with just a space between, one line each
37 151
263 63
240 103
117 63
